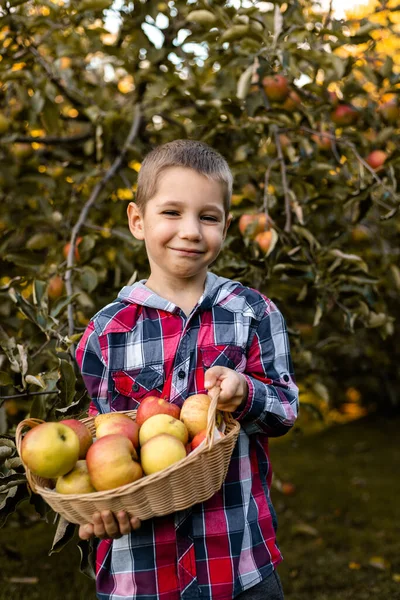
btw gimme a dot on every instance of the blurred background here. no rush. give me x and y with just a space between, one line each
302 98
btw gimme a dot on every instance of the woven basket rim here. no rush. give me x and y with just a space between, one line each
121 491
139 483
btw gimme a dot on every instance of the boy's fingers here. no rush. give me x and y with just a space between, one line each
111 526
98 526
135 523
124 523
86 531
212 376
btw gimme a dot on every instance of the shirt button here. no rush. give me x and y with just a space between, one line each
135 387
286 378
181 374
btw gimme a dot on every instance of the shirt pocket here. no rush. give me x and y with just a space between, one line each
224 355
131 386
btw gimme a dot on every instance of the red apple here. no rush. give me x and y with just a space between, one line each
83 433
111 462
152 405
376 159
258 220
292 102
67 247
264 240
344 114
117 423
276 87
198 438
323 141
55 287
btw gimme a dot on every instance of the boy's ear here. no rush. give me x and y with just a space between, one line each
135 221
227 224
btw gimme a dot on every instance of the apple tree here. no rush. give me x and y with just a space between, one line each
310 126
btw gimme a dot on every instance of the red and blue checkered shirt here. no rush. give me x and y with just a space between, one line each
143 345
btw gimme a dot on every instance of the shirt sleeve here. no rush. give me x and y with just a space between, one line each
272 403
94 370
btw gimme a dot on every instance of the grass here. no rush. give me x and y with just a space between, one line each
343 516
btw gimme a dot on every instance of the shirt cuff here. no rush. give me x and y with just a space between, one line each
250 407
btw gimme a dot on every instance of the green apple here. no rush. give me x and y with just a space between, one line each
50 450
76 481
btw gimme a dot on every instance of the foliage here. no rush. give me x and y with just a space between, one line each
81 105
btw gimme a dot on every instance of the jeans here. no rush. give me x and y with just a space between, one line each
268 589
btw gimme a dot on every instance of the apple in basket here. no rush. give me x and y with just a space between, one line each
152 405
160 452
112 461
83 433
114 422
50 450
76 481
163 424
194 413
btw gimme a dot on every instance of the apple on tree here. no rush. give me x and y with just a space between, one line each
276 87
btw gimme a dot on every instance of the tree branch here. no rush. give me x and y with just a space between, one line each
49 140
288 213
85 210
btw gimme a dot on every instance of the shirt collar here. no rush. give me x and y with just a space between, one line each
216 289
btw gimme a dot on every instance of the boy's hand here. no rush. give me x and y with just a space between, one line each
107 525
234 388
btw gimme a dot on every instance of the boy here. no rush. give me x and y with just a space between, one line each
181 332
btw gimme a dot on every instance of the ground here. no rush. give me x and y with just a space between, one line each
339 532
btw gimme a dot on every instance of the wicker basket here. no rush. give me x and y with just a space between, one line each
191 480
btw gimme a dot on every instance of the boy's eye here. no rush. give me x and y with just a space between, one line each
170 212
210 218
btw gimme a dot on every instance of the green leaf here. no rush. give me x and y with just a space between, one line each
66 383
64 534
87 549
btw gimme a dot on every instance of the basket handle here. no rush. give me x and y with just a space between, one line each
214 395
18 442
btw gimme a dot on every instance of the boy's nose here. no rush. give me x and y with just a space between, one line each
190 230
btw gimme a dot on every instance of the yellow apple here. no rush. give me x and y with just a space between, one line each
111 462
76 481
114 422
50 450
160 452
163 424
194 413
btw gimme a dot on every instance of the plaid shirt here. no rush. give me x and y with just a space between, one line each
143 345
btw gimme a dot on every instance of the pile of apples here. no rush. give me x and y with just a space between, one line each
124 449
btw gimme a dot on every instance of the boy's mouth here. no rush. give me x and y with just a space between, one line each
187 251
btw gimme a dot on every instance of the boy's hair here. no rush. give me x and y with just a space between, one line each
183 153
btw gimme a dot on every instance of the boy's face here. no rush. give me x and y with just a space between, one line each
184 225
